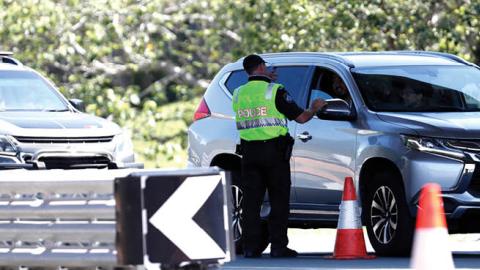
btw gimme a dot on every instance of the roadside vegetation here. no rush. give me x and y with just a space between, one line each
145 63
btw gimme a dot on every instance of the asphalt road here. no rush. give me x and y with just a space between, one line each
315 245
309 261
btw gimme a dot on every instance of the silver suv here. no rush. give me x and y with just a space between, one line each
40 129
408 118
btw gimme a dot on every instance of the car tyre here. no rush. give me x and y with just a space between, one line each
388 220
237 211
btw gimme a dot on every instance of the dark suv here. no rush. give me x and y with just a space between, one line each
40 129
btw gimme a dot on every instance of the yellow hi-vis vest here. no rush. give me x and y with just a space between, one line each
256 115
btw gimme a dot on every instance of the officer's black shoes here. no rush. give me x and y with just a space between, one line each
274 253
252 254
283 253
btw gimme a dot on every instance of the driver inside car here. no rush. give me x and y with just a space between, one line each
340 90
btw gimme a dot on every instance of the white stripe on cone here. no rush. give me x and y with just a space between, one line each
431 250
350 217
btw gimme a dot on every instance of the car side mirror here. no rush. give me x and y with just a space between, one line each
336 109
77 104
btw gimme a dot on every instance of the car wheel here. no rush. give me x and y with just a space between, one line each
237 197
237 211
388 220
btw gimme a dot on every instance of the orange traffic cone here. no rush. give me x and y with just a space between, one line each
430 245
350 243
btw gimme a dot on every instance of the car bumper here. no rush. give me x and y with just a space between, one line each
460 183
54 159
130 165
462 211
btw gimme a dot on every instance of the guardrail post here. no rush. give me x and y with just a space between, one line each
128 212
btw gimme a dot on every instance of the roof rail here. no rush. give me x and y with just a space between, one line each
439 54
6 57
330 56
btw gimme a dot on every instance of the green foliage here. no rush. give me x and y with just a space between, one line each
448 26
162 139
144 63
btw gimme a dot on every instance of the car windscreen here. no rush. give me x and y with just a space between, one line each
420 88
27 91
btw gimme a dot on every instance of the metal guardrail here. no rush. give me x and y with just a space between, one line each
58 218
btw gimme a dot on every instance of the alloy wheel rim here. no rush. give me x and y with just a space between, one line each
384 215
237 197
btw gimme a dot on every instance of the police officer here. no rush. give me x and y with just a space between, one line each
261 112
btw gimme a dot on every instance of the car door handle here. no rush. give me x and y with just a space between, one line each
304 137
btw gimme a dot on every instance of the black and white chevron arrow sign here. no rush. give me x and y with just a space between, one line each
186 218
172 217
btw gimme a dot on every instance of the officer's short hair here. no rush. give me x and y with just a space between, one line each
251 62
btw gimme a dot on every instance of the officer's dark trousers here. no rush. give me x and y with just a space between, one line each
264 167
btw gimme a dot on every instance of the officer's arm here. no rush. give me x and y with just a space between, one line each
307 114
286 105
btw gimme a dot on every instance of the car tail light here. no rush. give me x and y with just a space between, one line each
202 111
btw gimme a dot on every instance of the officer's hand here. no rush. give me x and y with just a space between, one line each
318 104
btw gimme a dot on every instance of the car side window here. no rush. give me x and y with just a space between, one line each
327 84
292 77
236 79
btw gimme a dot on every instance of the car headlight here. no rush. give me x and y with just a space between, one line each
6 146
432 146
123 148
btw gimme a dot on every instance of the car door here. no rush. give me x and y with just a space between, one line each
292 77
324 151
